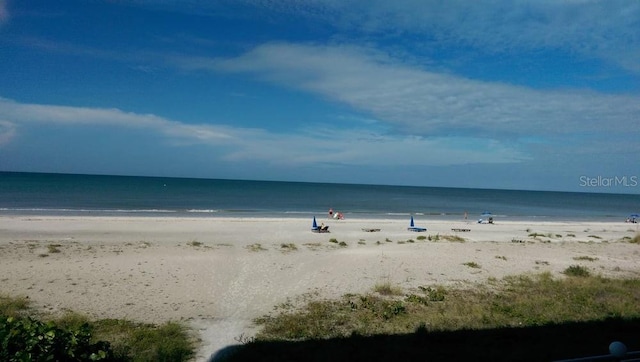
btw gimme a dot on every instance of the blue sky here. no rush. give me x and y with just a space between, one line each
537 94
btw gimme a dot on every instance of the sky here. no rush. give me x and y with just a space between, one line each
501 94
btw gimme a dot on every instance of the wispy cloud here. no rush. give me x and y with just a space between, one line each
74 116
318 146
427 103
604 29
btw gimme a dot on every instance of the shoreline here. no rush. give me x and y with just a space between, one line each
218 274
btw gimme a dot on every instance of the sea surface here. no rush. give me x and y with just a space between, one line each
92 195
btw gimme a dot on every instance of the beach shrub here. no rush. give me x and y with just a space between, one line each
387 289
28 339
577 271
53 248
343 244
256 247
472 264
333 240
13 306
421 237
73 337
288 247
635 239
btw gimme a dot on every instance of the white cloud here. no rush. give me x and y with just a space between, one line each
427 103
65 115
318 146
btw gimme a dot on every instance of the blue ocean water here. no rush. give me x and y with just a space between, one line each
64 194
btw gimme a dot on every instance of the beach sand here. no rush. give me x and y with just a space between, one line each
218 274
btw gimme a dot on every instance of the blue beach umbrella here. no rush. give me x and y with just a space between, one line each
315 224
634 216
411 224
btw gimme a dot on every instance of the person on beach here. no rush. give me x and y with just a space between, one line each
330 213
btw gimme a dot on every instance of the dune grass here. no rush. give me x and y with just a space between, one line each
517 301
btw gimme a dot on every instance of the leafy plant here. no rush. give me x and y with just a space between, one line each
577 271
27 339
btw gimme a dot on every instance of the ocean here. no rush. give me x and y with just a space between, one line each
94 195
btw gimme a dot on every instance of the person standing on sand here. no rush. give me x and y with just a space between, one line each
330 212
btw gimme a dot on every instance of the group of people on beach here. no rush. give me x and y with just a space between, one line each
335 215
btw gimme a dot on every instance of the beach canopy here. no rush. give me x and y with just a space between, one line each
486 213
635 216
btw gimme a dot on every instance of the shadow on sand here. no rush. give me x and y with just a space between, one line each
543 343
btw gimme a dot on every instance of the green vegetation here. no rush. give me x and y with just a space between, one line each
387 289
256 247
636 239
288 247
195 243
586 258
421 238
53 248
577 271
455 238
535 235
333 240
511 302
472 264
73 337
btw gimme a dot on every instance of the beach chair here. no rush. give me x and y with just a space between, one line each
319 229
413 227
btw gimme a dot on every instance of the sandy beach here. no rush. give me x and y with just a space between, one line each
217 274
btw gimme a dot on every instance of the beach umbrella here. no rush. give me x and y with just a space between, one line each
411 224
634 216
486 214
315 224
